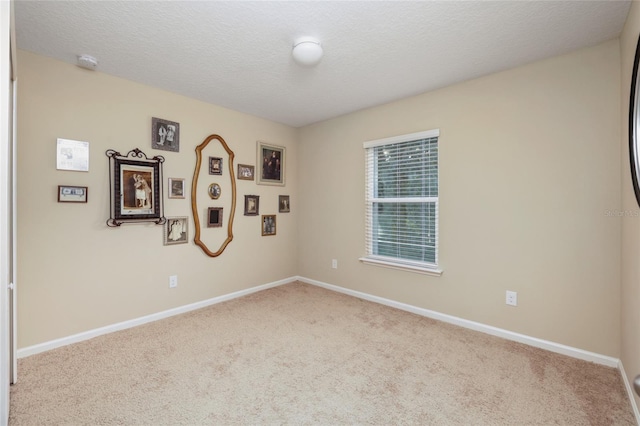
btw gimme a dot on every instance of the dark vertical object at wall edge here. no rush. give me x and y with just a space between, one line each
633 128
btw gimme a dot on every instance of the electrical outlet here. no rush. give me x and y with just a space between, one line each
334 263
512 298
173 281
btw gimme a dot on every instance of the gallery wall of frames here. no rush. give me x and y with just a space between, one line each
137 186
109 210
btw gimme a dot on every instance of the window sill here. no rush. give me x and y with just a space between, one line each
419 269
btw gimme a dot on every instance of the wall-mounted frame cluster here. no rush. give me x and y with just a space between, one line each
214 214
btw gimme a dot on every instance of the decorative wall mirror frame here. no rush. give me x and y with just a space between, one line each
634 123
194 197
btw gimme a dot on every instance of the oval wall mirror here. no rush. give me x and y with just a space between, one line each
634 121
217 190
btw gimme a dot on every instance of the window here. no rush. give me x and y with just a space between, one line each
402 202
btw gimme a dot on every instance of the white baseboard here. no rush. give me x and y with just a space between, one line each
494 331
46 346
630 392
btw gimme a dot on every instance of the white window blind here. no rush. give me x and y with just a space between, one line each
402 200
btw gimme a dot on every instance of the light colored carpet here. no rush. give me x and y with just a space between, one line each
298 354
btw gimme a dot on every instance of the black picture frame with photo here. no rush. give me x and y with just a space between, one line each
176 230
214 217
271 164
176 188
284 205
246 172
251 205
165 134
215 166
268 224
72 194
136 188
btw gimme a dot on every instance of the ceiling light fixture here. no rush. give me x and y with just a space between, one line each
307 51
87 62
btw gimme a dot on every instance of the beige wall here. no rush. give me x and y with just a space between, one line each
630 353
529 165
75 273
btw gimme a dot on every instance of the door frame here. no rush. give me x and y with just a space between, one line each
8 361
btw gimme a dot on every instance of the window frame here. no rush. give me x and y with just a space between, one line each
371 181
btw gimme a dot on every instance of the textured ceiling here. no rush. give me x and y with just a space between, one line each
238 54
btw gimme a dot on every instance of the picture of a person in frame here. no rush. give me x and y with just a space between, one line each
142 191
171 132
284 203
269 225
271 164
137 191
162 134
176 230
215 166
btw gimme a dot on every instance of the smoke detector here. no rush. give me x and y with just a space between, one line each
87 62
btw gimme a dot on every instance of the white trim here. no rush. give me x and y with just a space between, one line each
5 206
402 138
46 346
13 300
494 331
420 269
630 392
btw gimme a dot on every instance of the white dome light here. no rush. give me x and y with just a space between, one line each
307 51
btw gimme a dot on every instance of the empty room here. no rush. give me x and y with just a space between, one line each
256 212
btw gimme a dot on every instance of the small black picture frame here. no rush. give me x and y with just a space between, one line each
72 194
176 187
284 205
165 135
251 205
215 166
176 230
214 217
268 224
246 172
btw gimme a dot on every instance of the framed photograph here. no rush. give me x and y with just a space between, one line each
72 155
176 231
136 188
251 205
271 164
176 188
214 191
283 204
246 172
72 194
268 224
215 166
165 135
214 217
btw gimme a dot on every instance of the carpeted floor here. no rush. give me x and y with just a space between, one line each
298 354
